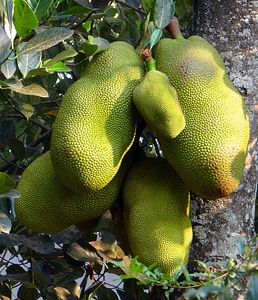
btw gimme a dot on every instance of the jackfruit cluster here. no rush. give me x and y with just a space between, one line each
185 97
81 176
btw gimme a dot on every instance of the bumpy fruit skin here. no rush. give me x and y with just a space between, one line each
47 206
156 101
209 154
95 126
156 214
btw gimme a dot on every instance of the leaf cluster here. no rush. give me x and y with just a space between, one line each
45 46
212 280
58 263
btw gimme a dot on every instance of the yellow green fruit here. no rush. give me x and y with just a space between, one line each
95 126
47 206
156 214
157 102
209 154
88 225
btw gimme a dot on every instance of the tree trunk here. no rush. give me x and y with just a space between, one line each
231 27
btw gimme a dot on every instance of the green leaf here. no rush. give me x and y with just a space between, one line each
17 148
103 44
5 223
87 25
37 72
240 242
6 183
209 291
41 271
46 39
32 89
77 10
6 10
64 293
5 289
24 18
94 46
100 3
90 293
58 67
88 48
227 294
64 55
236 283
28 291
148 5
26 109
252 291
164 11
9 67
6 206
182 6
155 37
3 85
15 269
84 3
67 236
185 271
40 7
202 266
70 276
197 293
5 42
84 254
135 266
10 240
28 61
40 243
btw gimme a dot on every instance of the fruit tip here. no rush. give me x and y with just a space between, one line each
173 29
148 59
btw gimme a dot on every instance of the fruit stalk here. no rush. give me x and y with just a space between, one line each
148 59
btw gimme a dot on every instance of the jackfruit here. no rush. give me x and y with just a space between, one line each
156 214
96 123
88 225
209 154
156 101
47 206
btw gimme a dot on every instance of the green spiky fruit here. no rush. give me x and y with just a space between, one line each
156 101
95 126
47 206
209 154
156 214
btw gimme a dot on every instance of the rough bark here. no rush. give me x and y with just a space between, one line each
231 26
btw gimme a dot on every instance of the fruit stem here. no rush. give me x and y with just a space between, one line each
173 29
150 64
148 59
